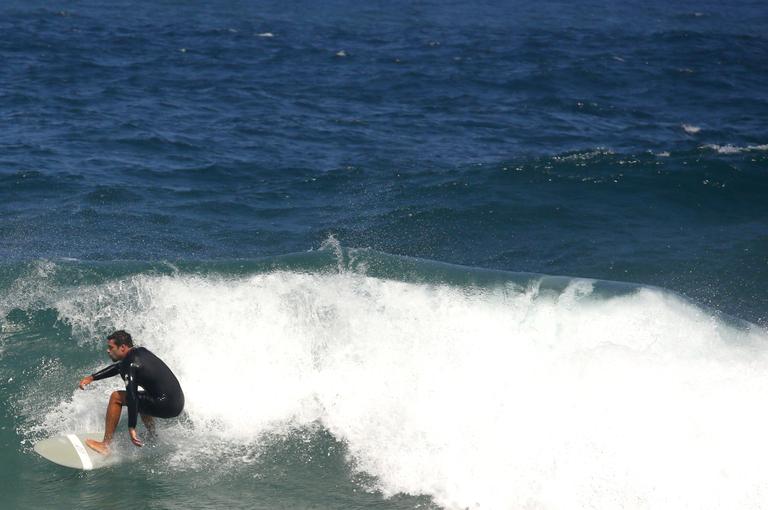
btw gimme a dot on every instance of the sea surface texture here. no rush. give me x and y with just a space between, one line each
401 255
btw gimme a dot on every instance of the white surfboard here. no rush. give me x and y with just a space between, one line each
70 450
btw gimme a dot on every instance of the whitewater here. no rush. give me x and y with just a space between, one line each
516 394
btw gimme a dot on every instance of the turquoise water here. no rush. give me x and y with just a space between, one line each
350 378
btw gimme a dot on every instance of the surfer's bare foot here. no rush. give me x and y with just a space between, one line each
99 446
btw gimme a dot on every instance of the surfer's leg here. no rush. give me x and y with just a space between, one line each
149 423
116 402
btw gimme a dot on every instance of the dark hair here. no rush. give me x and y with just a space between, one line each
120 337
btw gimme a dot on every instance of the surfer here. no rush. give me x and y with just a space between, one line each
161 396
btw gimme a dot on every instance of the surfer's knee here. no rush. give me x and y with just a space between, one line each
117 397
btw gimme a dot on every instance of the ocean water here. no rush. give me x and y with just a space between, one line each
401 255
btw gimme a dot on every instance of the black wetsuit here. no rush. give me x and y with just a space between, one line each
162 395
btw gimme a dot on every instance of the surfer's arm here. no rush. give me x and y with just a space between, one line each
111 371
132 399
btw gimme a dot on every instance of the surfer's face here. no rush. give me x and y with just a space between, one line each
114 352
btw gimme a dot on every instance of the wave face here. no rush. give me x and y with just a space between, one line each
475 389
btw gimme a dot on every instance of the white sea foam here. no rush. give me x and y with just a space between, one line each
506 398
733 149
585 155
691 129
28 290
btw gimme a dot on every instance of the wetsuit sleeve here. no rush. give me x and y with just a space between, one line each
132 390
111 371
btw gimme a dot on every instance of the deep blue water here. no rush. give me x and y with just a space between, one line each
588 139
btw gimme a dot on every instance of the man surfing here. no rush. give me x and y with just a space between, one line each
161 396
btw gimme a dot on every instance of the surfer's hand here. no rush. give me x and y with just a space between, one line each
134 438
85 381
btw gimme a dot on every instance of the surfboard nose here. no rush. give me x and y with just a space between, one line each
70 451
